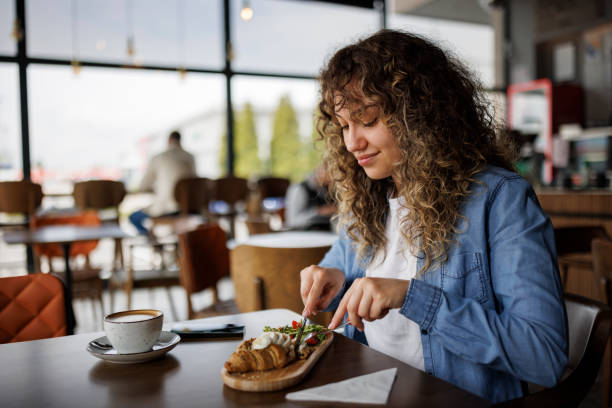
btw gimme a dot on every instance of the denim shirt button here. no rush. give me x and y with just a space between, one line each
424 331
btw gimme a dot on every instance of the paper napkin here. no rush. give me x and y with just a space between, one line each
371 388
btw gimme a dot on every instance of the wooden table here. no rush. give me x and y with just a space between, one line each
59 372
65 236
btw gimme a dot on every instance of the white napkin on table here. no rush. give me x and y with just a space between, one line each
371 388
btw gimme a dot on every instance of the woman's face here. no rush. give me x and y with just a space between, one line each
369 140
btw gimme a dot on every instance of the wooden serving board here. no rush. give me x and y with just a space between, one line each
277 379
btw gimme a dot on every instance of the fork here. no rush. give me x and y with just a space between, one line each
311 335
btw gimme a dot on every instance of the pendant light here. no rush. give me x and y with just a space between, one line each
130 48
246 13
180 15
76 66
16 32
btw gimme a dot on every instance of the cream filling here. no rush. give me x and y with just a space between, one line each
267 338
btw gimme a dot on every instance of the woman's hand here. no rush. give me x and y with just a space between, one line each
318 287
370 299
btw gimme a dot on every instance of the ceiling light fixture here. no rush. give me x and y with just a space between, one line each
129 15
246 13
180 14
76 65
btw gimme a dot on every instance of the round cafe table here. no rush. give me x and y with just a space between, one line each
289 239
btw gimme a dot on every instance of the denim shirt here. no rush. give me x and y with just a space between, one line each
493 314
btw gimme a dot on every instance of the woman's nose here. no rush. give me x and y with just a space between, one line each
353 140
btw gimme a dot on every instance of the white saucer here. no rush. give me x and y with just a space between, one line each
166 342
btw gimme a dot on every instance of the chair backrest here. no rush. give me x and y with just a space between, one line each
22 197
601 250
204 258
273 186
258 226
589 324
193 194
98 194
85 218
31 307
268 278
231 189
577 239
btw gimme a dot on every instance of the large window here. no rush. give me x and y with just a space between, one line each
7 33
295 37
151 32
10 129
278 115
106 123
472 43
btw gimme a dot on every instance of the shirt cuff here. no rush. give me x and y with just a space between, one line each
421 304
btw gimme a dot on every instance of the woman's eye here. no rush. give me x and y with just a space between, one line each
343 128
371 123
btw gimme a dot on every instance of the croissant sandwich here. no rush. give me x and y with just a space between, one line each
268 351
275 348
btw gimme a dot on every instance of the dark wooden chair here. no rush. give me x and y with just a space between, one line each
19 200
268 277
573 246
258 226
100 195
270 199
233 191
601 250
589 325
193 196
103 196
273 186
204 260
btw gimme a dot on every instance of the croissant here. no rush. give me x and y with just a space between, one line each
245 358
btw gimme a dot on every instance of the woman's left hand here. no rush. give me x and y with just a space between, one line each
370 299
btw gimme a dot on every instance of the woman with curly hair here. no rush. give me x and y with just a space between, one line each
445 259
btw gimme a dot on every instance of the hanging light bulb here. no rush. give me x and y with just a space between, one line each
17 33
131 51
76 67
246 13
180 14
130 48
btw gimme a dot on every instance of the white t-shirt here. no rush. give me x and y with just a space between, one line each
395 335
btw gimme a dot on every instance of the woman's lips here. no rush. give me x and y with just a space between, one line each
365 159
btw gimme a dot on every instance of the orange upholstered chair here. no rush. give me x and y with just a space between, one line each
89 218
86 279
31 307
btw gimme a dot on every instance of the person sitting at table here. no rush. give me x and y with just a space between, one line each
161 175
308 205
445 259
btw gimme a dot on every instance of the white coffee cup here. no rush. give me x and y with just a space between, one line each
133 331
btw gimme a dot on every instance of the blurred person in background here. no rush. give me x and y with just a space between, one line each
445 259
162 173
308 205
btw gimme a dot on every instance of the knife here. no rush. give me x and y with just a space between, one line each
298 338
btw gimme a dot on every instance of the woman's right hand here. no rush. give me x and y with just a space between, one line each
318 287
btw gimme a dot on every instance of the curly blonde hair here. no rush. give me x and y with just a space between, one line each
441 124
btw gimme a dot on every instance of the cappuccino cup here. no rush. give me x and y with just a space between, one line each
133 331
